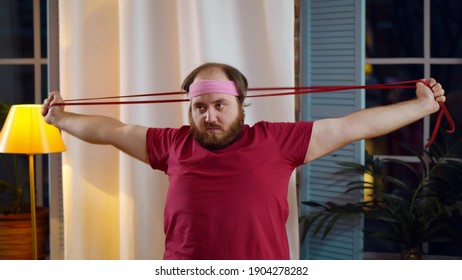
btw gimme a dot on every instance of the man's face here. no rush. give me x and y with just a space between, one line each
216 119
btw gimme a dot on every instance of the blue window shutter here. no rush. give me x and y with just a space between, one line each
332 40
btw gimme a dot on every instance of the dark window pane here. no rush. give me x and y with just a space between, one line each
44 89
16 29
43 28
449 194
394 28
17 84
391 144
404 174
451 248
446 28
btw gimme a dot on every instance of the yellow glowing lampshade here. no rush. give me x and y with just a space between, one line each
26 132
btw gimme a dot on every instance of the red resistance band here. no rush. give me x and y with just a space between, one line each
285 91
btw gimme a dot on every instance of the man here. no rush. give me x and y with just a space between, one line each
228 182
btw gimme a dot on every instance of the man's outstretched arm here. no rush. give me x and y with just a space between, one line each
331 134
130 139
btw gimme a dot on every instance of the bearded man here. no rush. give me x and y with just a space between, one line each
228 182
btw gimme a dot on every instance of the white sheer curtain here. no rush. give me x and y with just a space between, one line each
113 205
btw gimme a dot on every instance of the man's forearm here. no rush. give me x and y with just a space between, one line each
381 120
89 128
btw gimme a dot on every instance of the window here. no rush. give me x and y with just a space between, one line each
23 67
410 40
407 40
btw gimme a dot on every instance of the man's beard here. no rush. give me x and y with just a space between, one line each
211 140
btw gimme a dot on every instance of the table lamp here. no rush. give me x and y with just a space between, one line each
26 132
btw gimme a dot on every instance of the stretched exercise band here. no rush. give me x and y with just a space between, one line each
201 88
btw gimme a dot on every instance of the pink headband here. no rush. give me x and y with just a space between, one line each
212 86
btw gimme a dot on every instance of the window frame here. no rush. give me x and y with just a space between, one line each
427 61
37 61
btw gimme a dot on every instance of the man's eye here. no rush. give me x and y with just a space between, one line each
219 106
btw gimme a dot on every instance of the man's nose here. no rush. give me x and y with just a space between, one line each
210 116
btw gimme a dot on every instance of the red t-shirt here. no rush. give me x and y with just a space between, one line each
229 203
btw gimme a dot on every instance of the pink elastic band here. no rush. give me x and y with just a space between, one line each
212 86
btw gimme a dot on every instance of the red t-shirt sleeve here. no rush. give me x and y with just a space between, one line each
292 138
158 144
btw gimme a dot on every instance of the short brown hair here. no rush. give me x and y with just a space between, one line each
232 73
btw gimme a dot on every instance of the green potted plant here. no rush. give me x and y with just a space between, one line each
413 212
15 217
